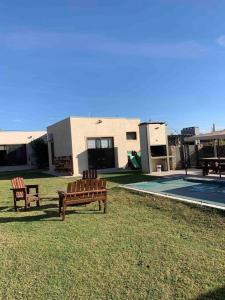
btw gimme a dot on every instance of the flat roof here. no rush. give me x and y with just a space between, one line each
98 118
92 117
147 123
216 135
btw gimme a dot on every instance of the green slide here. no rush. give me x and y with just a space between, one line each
135 159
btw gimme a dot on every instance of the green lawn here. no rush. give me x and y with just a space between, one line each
144 248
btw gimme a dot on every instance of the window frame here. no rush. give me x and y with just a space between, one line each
130 138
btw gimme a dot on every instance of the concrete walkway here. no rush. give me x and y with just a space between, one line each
191 172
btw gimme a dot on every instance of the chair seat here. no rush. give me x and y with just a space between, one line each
32 197
20 195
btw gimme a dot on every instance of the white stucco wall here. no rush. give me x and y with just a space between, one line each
19 137
157 134
144 148
70 137
61 134
83 128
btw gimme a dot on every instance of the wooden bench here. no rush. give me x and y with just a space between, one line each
83 192
22 192
90 174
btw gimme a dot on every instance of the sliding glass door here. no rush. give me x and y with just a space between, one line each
101 153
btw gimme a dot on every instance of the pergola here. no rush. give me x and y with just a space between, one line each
214 137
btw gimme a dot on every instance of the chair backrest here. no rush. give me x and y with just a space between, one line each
90 174
18 183
86 185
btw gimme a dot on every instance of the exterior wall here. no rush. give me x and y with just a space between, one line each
23 138
83 128
19 137
61 135
153 134
144 149
157 134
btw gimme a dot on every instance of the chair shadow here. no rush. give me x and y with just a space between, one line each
6 207
46 216
218 294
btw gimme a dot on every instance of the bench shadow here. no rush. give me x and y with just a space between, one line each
218 294
46 216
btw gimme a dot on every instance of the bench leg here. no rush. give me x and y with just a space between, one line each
15 207
105 206
99 205
26 205
60 209
38 203
64 211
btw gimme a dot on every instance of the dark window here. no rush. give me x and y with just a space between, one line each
132 135
12 155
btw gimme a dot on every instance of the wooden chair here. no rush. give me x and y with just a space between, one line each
83 192
22 192
90 174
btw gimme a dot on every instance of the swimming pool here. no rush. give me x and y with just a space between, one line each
200 191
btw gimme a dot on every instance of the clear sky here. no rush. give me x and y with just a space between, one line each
160 60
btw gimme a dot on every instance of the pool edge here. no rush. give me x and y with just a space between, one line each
201 203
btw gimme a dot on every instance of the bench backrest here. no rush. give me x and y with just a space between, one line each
90 174
18 183
83 185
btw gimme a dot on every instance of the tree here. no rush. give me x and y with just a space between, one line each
40 148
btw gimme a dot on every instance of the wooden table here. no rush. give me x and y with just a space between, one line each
214 163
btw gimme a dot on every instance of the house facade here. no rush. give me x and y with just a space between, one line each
16 149
100 143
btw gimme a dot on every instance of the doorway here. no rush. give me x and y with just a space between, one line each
101 154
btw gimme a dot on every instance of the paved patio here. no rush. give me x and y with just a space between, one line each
182 173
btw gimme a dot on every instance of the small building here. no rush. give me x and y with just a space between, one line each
15 147
78 143
189 132
154 147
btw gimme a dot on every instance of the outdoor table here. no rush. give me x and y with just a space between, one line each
217 161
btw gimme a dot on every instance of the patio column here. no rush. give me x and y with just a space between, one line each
215 148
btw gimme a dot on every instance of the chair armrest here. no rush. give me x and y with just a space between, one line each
61 192
18 189
32 185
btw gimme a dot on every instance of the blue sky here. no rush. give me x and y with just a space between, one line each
160 60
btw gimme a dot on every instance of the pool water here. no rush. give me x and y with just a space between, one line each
199 190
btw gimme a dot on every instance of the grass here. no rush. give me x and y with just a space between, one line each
144 248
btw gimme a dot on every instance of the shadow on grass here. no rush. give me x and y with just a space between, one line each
5 207
46 215
26 174
125 178
218 294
